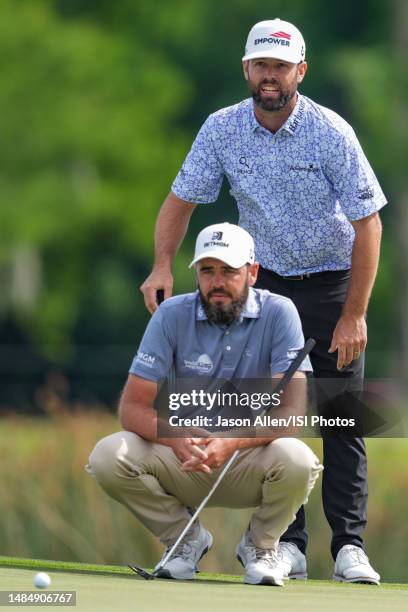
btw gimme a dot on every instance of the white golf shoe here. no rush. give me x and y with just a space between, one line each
182 565
261 565
352 565
292 561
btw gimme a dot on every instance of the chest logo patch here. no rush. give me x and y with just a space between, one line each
203 364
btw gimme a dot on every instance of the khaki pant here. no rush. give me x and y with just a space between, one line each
147 479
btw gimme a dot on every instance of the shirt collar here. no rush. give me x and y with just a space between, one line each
251 310
296 117
291 124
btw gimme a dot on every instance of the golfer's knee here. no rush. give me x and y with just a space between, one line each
296 460
114 457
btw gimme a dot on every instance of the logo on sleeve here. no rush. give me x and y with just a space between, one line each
145 359
366 193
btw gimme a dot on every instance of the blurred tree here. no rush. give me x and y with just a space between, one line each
399 155
371 79
99 103
88 151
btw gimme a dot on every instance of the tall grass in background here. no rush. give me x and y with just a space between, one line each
52 509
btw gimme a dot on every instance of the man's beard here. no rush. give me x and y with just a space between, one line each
224 314
269 104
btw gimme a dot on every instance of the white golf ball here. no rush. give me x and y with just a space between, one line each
42 580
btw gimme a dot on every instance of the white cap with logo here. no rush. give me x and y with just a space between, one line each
227 242
275 38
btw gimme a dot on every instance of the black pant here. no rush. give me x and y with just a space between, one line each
319 300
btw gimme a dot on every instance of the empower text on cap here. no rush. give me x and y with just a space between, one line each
275 38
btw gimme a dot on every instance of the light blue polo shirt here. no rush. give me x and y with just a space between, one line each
263 342
296 190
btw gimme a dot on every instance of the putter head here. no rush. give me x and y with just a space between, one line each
141 572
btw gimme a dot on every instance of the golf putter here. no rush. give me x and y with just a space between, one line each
171 375
280 387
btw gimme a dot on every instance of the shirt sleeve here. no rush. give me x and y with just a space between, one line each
200 177
154 357
287 339
353 179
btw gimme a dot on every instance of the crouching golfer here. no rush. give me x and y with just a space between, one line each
226 329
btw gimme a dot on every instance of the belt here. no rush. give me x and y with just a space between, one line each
300 277
308 275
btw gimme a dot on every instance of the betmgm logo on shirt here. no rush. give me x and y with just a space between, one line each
202 365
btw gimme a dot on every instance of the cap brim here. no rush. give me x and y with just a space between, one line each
286 57
234 262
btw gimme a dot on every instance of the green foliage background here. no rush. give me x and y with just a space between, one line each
99 104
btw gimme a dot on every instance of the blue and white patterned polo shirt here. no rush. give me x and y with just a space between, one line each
296 190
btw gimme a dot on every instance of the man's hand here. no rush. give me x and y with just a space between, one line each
171 227
218 451
160 278
350 334
349 339
191 450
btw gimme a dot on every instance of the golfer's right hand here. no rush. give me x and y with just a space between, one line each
186 449
158 279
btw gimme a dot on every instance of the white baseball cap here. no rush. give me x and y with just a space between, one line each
275 38
227 242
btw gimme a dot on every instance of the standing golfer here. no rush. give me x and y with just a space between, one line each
307 194
225 330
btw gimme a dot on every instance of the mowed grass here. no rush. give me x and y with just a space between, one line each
102 588
52 509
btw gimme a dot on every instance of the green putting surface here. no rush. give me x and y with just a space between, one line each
107 588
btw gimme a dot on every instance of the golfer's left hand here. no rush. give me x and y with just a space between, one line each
349 339
218 450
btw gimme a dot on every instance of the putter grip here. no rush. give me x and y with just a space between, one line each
159 296
171 376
